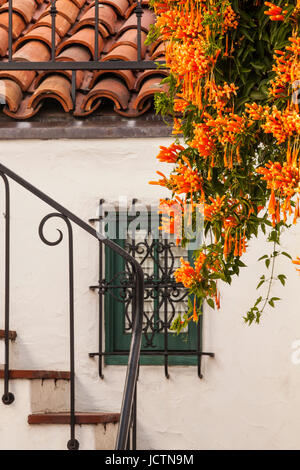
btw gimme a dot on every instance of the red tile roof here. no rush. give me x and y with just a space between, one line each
24 92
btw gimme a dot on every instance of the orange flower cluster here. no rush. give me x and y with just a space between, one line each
284 180
276 13
183 27
231 215
297 262
180 105
191 276
203 141
187 274
169 154
230 19
198 37
287 69
221 130
184 180
282 124
171 220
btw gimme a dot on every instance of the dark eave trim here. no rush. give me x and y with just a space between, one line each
99 127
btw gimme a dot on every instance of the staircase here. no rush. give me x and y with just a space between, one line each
40 405
41 412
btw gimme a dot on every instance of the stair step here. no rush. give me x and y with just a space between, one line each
12 334
37 374
81 418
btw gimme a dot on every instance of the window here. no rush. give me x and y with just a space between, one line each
164 298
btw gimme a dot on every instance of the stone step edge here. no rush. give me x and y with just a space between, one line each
12 335
37 374
80 417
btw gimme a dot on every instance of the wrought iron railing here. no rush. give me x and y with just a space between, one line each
95 64
128 410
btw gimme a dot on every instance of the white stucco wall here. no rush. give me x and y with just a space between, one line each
249 397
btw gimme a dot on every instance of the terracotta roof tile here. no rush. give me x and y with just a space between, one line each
13 94
22 78
148 18
18 23
107 18
56 87
41 34
111 88
33 51
120 6
25 8
150 87
129 38
126 75
66 9
84 37
62 25
3 41
25 92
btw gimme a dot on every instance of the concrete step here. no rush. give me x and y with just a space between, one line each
39 418
49 390
102 427
32 374
80 418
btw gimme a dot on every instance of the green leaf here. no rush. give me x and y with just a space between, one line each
271 301
210 303
260 284
258 301
282 278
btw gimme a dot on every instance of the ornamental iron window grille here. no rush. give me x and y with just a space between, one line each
164 299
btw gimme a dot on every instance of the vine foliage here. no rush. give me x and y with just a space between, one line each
233 95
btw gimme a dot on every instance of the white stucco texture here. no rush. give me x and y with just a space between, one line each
249 396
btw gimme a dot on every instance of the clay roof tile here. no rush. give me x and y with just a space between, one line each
10 94
84 37
62 25
41 34
18 23
148 18
24 8
56 87
122 52
150 87
23 78
65 8
111 88
32 51
120 6
3 41
130 38
126 75
131 91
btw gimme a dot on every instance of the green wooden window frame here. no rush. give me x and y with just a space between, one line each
117 341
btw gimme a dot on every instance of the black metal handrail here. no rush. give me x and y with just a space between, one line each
129 402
